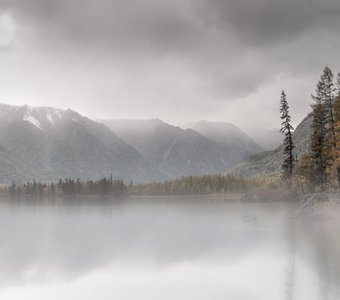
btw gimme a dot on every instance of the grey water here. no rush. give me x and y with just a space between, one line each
166 248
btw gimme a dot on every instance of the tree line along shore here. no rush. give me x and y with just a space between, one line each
190 185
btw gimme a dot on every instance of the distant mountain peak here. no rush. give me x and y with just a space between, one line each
42 118
226 134
46 143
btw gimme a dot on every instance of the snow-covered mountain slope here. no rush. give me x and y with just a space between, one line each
43 118
44 143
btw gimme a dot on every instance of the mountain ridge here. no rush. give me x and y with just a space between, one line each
171 147
227 134
47 143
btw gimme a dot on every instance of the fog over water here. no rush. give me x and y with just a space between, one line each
166 248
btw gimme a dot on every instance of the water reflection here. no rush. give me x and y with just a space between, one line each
291 269
165 248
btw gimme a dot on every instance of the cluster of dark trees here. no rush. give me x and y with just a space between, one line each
190 185
198 185
103 186
319 169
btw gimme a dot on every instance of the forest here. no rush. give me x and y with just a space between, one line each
190 185
198 185
318 170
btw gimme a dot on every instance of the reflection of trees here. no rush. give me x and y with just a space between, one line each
323 266
313 237
291 270
328 265
318 245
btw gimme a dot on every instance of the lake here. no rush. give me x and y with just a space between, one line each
167 248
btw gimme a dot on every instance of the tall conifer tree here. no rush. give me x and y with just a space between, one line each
336 107
287 130
327 93
317 143
323 138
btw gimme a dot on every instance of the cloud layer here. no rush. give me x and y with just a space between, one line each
176 60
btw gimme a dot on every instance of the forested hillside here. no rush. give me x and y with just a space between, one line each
269 163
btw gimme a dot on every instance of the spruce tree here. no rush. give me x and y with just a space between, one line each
287 130
336 107
337 134
320 137
328 89
323 138
317 143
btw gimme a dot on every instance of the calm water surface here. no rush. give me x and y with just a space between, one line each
167 248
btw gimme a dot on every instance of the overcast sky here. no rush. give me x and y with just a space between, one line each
177 60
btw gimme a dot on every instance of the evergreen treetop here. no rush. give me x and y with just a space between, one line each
286 129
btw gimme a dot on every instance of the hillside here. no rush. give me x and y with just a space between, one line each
269 163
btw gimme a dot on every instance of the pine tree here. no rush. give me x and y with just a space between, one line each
287 129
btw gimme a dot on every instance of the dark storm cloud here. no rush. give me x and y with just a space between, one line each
272 21
164 24
202 51
168 22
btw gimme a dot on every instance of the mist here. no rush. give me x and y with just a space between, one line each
169 149
163 248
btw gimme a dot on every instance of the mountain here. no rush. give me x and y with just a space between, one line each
267 138
226 134
44 143
269 163
177 152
